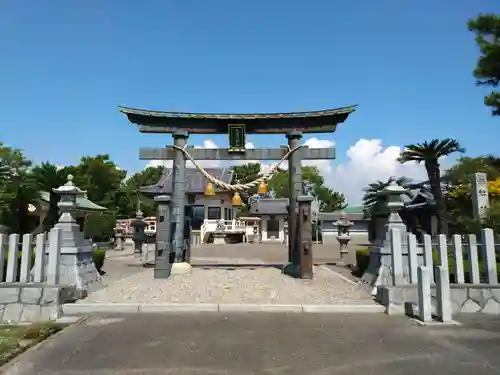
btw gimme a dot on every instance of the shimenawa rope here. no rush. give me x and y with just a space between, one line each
238 187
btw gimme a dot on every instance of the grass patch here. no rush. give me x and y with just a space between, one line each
15 339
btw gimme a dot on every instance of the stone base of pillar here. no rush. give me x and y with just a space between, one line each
181 268
77 269
293 270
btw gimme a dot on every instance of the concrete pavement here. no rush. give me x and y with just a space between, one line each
261 343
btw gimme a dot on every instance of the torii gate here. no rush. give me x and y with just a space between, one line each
181 124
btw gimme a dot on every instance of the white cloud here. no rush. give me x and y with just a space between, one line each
366 161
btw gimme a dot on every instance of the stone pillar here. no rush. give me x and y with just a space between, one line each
164 253
181 264
295 187
480 196
305 237
77 265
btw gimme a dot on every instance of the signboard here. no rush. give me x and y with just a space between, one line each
237 137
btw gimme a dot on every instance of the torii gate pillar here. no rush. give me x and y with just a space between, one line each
295 183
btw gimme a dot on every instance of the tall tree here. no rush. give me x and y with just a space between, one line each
49 177
17 189
129 192
100 177
429 153
329 200
487 71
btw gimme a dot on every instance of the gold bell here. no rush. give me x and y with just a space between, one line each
262 189
209 190
236 201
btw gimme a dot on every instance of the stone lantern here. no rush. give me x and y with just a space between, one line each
119 236
379 270
139 237
77 265
394 197
343 236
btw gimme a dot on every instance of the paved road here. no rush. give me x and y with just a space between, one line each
274 344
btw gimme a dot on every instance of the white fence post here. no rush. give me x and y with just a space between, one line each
396 257
443 294
39 270
54 255
412 258
424 294
13 259
443 251
3 239
490 263
428 259
26 257
473 260
458 259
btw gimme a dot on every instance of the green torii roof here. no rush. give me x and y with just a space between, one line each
82 202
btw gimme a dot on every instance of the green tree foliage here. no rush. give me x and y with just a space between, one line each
459 205
17 189
100 177
99 226
487 71
329 199
429 153
128 195
463 171
49 177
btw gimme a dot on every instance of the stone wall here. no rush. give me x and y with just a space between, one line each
465 298
475 298
32 302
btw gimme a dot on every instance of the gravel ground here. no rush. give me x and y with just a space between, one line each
262 285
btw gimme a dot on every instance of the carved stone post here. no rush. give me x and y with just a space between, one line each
295 187
163 252
305 237
180 265
480 196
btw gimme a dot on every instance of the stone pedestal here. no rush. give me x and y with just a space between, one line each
181 268
220 239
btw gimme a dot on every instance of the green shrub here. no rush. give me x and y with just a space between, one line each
467 276
98 256
6 260
362 261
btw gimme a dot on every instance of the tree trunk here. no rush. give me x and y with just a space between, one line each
52 215
23 220
434 175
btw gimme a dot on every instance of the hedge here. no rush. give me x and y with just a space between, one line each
363 260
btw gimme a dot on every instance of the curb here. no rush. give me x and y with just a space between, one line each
128 308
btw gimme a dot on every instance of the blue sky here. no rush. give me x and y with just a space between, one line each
66 65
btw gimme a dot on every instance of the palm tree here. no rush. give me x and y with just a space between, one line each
374 202
48 177
429 153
